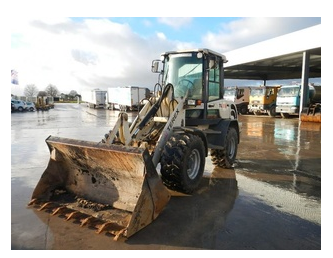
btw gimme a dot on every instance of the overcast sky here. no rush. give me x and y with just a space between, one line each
86 53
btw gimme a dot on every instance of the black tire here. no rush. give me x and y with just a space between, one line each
243 110
226 157
123 108
183 162
284 115
272 111
20 109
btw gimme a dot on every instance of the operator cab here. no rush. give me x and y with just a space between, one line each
197 76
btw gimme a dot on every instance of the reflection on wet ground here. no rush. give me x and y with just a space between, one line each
271 200
284 152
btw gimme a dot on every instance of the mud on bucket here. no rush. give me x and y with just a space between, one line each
114 189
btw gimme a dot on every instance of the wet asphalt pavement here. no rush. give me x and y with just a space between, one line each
270 200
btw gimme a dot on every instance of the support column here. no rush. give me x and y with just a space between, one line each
304 82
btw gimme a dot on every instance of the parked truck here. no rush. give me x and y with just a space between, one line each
127 98
94 98
263 100
240 96
289 100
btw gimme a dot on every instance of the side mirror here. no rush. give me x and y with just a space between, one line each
154 66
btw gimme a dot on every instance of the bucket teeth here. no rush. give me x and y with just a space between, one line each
45 205
102 227
119 234
59 209
73 215
106 187
86 221
32 202
110 227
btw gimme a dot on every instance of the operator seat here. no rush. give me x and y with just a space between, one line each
197 89
196 93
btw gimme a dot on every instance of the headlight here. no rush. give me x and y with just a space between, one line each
191 102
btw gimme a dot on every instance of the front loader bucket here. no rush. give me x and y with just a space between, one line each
115 189
311 118
311 114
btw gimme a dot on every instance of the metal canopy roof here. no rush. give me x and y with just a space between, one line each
277 68
277 59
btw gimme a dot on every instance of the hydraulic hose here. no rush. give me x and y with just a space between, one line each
153 110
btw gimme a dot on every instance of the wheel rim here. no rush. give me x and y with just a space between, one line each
231 148
233 114
193 164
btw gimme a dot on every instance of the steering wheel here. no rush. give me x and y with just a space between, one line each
182 86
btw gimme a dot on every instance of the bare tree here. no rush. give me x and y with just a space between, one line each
73 94
30 90
42 94
52 90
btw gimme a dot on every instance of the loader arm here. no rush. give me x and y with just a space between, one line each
150 122
167 90
176 119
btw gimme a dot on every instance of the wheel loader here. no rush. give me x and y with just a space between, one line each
122 183
43 101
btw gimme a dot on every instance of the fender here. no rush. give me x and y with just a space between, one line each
217 134
195 131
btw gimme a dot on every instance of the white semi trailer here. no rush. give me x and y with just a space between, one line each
94 98
127 98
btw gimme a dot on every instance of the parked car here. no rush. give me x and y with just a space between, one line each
19 105
30 106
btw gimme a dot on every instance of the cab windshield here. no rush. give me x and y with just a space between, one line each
288 92
183 71
230 92
257 92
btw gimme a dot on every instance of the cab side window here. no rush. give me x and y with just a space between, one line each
240 93
214 91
